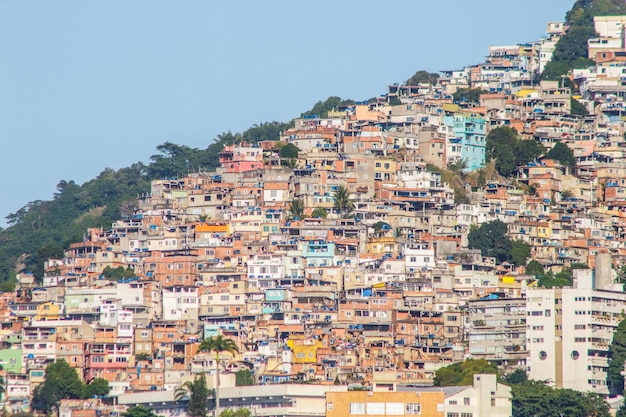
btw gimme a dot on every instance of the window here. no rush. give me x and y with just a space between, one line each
575 355
466 401
543 355
375 408
329 406
357 408
413 408
394 409
466 414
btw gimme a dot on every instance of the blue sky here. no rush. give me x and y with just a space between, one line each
86 85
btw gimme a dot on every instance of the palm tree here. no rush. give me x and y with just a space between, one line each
296 208
218 344
342 200
458 167
196 393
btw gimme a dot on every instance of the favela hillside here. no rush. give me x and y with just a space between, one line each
454 247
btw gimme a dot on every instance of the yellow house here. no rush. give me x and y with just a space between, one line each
304 349
544 231
48 311
385 403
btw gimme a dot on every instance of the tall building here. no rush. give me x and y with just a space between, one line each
569 331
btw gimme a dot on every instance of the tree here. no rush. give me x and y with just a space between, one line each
423 77
289 151
319 213
509 151
458 166
617 354
491 239
60 382
243 378
535 399
99 387
468 95
321 108
217 345
534 268
462 373
518 376
519 253
578 108
139 411
562 153
196 393
296 208
240 412
559 280
381 227
501 144
342 200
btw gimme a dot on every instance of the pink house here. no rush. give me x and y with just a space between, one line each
241 158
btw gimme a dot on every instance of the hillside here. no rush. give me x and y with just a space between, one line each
43 229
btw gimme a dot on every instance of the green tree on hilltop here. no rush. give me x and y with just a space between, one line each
422 77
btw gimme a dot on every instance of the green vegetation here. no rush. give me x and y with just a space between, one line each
296 208
509 151
422 77
468 95
558 280
62 382
534 268
319 213
41 230
243 378
492 241
462 373
571 49
196 393
139 411
240 412
342 201
578 108
289 151
321 108
536 399
217 345
519 253
617 353
118 273
530 398
562 153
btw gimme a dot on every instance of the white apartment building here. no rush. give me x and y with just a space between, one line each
569 331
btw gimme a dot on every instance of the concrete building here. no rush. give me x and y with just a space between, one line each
569 331
497 330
